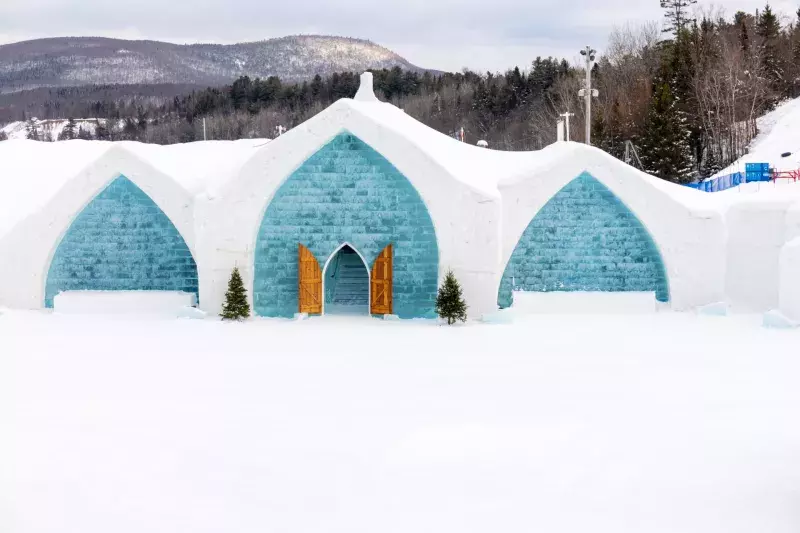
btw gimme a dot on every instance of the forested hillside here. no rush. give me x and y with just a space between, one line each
687 97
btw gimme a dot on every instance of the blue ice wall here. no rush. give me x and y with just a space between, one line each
346 192
584 239
121 241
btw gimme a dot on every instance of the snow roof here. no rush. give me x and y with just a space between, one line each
197 166
32 172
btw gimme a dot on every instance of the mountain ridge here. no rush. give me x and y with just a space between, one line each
78 61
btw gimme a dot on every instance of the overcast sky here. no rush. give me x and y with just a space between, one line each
442 34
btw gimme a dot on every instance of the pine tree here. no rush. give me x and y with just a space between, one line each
68 133
236 306
449 302
665 149
711 164
740 20
101 132
769 28
796 57
3 136
32 131
84 134
677 14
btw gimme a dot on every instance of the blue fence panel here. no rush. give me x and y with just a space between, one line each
755 172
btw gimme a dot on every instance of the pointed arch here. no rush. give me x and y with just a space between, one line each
333 255
584 239
346 192
121 240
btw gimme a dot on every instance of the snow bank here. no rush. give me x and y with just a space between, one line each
124 302
584 302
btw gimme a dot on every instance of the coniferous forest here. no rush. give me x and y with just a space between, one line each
685 93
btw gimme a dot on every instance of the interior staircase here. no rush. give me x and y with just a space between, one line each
348 282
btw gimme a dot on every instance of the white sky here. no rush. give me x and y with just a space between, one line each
442 34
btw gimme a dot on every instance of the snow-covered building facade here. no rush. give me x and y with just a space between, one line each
364 209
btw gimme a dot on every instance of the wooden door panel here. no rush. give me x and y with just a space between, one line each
381 285
309 276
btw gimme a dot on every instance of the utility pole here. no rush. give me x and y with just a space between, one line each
587 92
567 116
204 128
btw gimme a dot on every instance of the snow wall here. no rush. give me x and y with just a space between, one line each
690 248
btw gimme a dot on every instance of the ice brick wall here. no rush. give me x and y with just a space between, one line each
121 241
346 192
584 239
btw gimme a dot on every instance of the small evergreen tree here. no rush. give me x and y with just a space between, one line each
236 306
3 136
449 303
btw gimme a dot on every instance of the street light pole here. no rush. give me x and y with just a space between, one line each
587 92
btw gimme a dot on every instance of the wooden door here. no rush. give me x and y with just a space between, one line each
309 276
381 284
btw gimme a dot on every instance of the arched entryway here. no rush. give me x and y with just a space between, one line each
345 283
346 193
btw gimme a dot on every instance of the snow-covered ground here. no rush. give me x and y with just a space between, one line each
779 133
661 422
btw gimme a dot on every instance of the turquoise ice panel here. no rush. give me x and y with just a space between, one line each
584 239
121 241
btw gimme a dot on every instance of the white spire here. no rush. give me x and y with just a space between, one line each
365 91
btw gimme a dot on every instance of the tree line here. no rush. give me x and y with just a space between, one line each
685 97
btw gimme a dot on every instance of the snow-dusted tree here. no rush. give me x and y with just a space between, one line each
69 132
101 131
711 163
768 28
32 129
3 136
84 134
665 151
